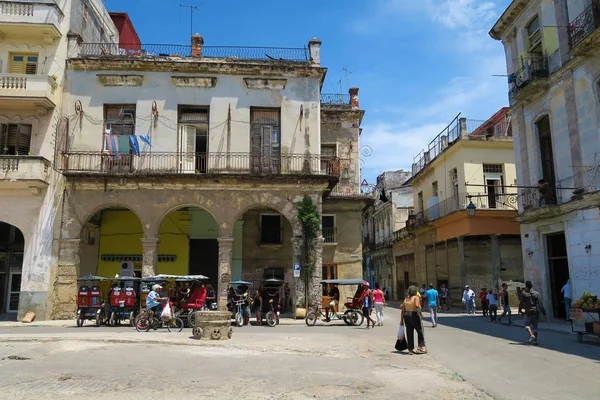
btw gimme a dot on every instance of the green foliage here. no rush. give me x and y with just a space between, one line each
311 223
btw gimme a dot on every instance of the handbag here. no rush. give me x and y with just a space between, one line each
401 343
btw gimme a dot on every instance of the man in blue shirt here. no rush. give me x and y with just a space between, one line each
433 303
153 300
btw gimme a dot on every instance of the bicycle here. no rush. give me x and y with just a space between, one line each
147 320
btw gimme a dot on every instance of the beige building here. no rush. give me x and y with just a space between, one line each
32 52
553 69
468 167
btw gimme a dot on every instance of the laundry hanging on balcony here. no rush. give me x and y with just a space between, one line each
135 145
111 144
146 139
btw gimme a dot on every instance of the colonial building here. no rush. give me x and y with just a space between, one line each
463 230
191 159
553 68
387 214
32 52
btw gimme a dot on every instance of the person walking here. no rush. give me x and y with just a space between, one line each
411 316
380 302
445 296
566 291
492 306
484 302
469 300
504 304
530 304
433 302
257 306
367 305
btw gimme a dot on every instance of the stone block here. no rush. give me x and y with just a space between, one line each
213 325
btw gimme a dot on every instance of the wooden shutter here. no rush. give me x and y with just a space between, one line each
190 142
16 64
255 145
3 139
19 139
266 161
31 65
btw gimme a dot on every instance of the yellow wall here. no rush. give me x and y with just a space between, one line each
121 233
468 158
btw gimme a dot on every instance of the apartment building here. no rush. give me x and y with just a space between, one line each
463 230
552 59
33 50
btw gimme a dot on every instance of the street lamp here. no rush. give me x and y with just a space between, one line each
471 208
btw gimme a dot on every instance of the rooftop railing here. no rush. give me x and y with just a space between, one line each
335 99
185 51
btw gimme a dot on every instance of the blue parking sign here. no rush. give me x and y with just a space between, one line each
296 270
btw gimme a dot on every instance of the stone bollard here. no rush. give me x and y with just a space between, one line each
213 325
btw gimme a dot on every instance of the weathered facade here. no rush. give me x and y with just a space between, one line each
34 46
553 64
387 214
467 166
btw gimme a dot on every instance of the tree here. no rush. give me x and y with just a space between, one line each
311 223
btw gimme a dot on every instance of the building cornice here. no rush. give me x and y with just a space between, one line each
507 18
263 69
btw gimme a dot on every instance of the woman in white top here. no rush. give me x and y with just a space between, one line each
493 306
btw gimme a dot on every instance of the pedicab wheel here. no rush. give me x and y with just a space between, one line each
142 324
239 319
271 319
112 321
311 318
347 317
357 318
99 319
191 319
175 325
131 319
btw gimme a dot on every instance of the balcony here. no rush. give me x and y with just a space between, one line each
417 221
183 164
583 31
35 21
25 171
531 79
175 51
329 235
483 202
27 91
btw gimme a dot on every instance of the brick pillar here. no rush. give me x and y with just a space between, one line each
314 46
150 257
64 296
197 43
225 260
354 104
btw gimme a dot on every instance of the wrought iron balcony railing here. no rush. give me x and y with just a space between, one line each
329 235
483 201
173 163
185 51
534 69
584 24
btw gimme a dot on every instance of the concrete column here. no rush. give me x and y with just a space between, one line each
314 46
225 259
457 297
394 285
496 262
238 245
298 294
314 294
521 133
64 295
150 257
562 21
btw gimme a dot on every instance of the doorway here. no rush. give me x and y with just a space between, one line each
12 245
558 268
204 259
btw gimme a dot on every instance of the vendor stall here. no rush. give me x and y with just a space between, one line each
585 316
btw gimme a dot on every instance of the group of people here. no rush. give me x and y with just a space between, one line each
179 294
490 302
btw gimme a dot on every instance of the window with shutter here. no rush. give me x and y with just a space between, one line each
15 139
193 115
119 119
23 64
265 140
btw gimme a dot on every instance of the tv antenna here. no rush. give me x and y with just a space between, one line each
192 9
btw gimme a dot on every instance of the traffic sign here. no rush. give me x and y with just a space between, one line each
296 270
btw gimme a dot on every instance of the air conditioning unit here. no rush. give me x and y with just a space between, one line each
126 269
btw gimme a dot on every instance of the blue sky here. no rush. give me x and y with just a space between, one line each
417 63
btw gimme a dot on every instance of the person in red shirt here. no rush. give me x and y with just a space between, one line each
484 301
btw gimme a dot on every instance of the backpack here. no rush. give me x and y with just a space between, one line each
529 301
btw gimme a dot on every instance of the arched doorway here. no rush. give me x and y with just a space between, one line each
187 244
263 249
12 247
111 244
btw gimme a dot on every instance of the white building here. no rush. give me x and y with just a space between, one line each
553 69
33 50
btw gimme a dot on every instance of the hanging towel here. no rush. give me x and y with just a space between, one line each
123 141
146 139
512 78
135 145
111 144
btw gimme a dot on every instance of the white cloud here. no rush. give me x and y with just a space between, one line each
461 13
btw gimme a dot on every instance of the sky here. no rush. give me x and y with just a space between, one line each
418 63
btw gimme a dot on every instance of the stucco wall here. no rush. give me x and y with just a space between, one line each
298 135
